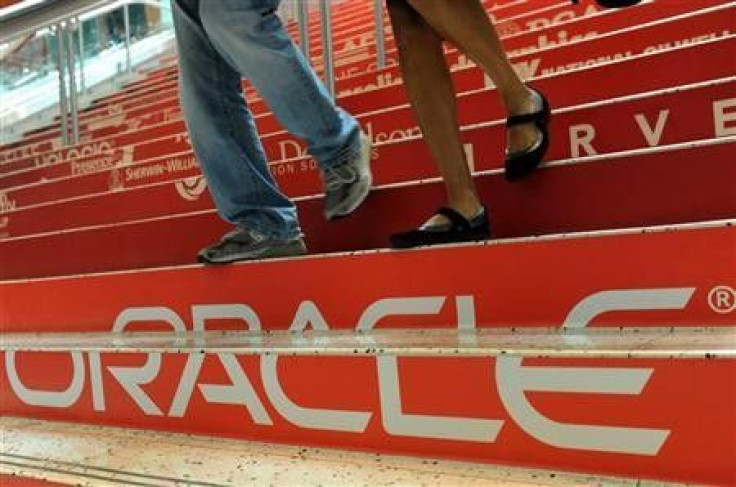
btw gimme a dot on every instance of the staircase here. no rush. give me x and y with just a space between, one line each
595 334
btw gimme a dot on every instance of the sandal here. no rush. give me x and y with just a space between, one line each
613 3
521 164
459 230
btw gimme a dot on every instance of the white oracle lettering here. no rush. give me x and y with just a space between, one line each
132 378
52 399
652 135
395 421
312 418
581 139
514 380
724 114
240 391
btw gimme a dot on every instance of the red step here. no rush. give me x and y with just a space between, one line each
675 115
656 186
540 38
703 61
409 404
511 283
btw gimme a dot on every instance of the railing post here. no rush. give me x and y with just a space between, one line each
126 18
303 20
74 105
63 107
327 53
82 78
380 34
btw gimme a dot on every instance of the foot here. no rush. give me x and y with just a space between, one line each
458 229
471 209
531 137
242 244
347 186
522 137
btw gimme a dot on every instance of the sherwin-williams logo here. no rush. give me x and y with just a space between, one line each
191 189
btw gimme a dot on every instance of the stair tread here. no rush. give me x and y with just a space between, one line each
628 342
67 452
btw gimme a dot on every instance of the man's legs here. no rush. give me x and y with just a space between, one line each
249 35
224 136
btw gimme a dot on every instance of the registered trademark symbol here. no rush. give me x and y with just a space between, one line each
722 299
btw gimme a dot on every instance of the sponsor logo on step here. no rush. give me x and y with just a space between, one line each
173 166
530 68
116 158
582 136
6 204
722 299
4 223
191 189
98 149
514 379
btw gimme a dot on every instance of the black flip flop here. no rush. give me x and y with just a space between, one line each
460 230
521 164
613 3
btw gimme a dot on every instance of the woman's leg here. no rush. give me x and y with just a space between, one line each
466 25
428 83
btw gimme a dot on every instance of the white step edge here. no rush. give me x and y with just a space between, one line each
93 455
603 343
653 229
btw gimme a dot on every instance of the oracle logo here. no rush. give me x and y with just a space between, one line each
513 378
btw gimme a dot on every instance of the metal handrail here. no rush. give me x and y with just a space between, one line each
327 48
380 34
303 20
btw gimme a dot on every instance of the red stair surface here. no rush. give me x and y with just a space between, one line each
593 333
161 111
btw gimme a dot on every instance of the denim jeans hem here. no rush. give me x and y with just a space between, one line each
345 155
256 225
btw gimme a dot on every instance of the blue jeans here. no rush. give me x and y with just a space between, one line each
220 42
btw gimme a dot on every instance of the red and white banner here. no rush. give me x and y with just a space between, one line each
641 418
644 73
664 419
156 226
677 115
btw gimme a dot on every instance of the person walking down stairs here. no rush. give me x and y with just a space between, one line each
421 27
220 42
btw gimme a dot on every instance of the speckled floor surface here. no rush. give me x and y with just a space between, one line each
627 342
102 456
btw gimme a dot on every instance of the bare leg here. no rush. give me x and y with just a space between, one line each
427 80
465 23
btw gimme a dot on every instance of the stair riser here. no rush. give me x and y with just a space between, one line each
691 115
118 98
510 285
127 111
400 400
667 189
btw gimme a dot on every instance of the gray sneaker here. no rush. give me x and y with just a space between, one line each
242 244
347 186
